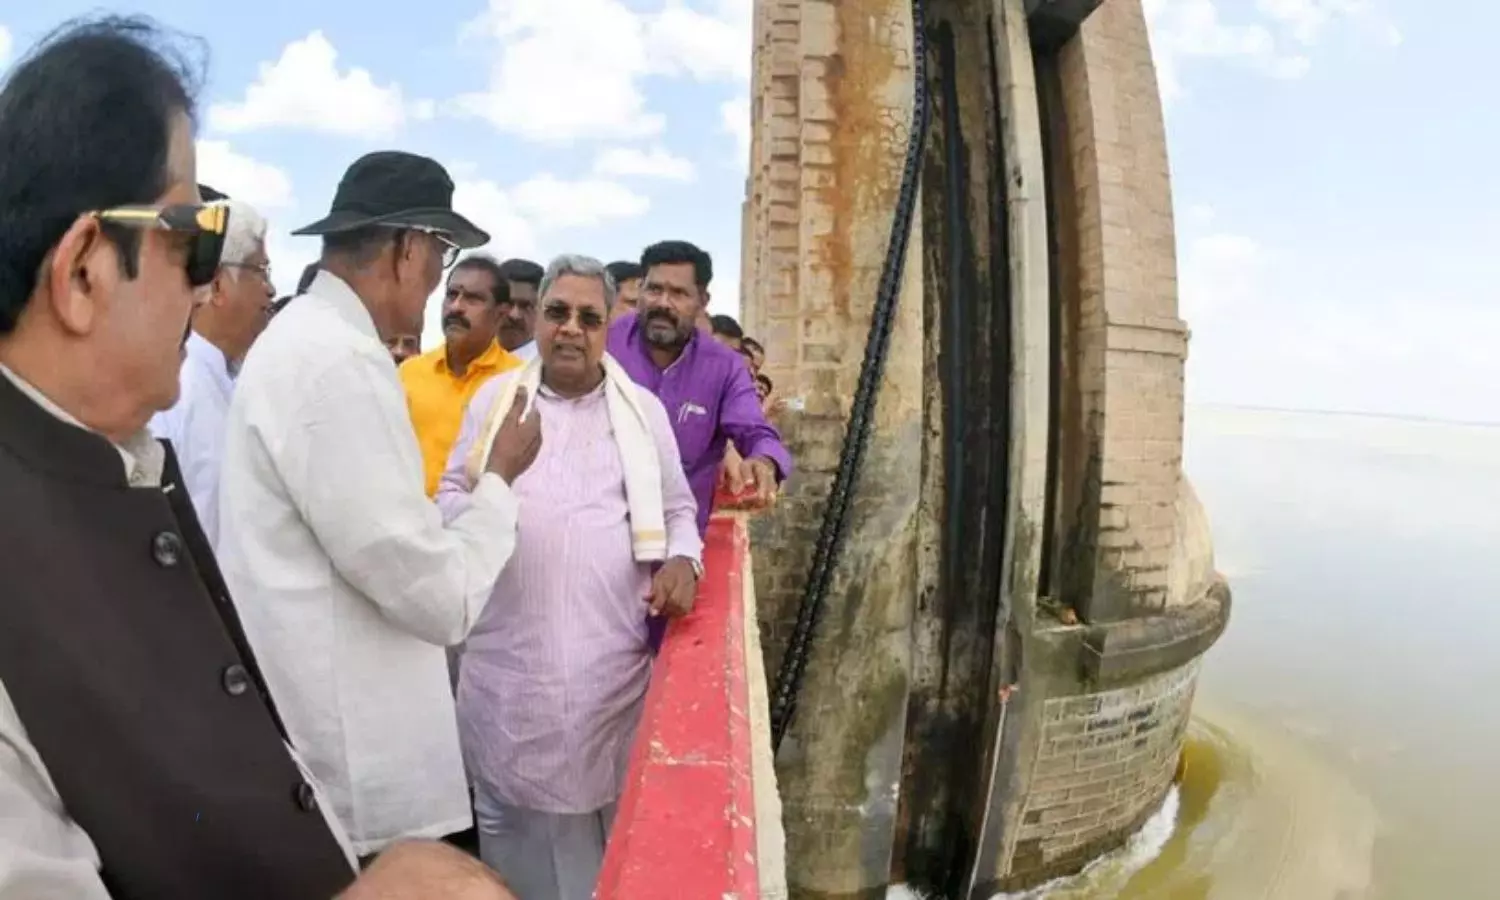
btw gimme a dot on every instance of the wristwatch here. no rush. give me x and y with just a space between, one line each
697 568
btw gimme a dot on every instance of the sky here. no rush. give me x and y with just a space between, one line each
1333 166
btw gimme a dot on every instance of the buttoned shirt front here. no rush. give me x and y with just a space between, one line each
348 582
43 852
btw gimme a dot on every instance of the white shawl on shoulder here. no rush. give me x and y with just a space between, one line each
648 529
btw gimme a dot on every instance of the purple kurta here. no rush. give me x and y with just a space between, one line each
711 400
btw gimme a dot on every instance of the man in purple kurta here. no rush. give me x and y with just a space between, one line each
706 387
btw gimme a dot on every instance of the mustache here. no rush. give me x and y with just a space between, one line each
458 319
665 315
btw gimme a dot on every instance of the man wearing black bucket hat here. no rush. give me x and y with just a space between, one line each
347 580
142 756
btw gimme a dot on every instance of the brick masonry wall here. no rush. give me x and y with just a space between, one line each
1131 343
829 130
1105 762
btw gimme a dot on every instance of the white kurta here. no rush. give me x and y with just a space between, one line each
195 427
348 583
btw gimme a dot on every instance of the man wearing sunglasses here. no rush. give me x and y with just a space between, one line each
141 755
554 673
235 312
347 579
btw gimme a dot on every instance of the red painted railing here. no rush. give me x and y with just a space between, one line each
685 827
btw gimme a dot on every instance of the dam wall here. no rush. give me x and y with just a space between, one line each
999 686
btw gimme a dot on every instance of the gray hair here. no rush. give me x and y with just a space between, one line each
581 266
247 231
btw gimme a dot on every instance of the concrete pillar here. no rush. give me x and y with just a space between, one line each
832 110
1103 631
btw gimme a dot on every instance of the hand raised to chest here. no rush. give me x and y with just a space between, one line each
518 440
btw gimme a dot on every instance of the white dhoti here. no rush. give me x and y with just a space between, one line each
541 855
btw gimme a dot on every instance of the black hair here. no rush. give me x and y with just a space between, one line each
750 343
499 284
623 270
762 379
727 326
523 270
666 253
85 124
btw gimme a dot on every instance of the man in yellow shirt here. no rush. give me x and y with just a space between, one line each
440 382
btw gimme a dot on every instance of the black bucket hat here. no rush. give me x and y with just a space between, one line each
399 190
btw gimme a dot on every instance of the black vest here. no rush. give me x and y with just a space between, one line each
124 657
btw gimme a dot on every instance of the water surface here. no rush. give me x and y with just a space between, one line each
1365 559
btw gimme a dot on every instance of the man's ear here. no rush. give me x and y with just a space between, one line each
214 293
80 276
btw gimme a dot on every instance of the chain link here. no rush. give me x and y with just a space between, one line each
857 434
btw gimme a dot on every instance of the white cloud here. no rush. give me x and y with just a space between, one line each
657 162
262 185
707 47
566 70
554 204
1193 29
305 89
289 255
494 209
609 50
1306 20
522 220
7 43
734 118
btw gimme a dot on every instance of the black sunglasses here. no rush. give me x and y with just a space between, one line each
206 223
560 313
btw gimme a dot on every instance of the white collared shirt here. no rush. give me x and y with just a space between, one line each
195 427
43 852
347 581
526 352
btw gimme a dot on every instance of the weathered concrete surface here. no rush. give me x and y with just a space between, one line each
831 108
770 835
1108 591
1131 598
1121 453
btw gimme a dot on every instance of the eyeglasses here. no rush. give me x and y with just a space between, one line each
263 269
450 249
562 314
207 224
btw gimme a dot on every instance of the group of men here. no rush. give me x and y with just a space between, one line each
251 553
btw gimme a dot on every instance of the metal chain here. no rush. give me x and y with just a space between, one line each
857 433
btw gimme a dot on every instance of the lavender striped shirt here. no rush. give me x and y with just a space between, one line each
555 671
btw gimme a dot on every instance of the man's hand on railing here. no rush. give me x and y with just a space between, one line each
674 588
748 483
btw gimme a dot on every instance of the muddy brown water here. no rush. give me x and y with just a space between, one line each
1346 742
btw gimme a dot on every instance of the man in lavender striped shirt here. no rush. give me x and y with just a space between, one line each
554 673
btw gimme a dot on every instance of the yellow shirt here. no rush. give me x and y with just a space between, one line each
437 399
